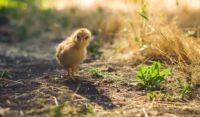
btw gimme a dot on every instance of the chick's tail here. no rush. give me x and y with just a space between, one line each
58 50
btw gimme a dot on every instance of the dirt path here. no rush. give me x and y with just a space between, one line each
111 93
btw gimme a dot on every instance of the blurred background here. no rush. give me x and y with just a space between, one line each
126 29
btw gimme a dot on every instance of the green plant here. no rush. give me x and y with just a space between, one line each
40 101
94 49
67 109
188 89
84 110
56 111
151 96
164 96
5 74
151 77
94 71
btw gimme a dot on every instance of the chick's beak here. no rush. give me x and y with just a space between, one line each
82 39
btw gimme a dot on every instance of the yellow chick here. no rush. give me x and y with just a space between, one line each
72 51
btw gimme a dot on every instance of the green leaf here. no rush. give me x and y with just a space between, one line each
159 79
149 95
174 94
140 75
140 84
142 70
158 66
137 41
184 91
131 23
6 74
100 43
119 48
154 94
149 72
164 72
180 82
155 73
141 80
153 67
171 99
145 17
94 70
144 8
40 101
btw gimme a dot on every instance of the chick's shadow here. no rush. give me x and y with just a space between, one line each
90 92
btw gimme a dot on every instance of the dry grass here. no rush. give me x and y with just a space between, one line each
162 36
170 42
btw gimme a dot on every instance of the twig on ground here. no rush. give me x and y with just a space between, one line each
80 100
151 104
12 81
76 91
145 113
21 113
80 96
55 100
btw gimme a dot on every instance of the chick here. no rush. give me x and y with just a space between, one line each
72 51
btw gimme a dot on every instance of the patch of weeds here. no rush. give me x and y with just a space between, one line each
151 77
63 110
163 96
4 74
151 96
84 110
56 111
94 50
40 101
95 73
188 89
168 97
3 84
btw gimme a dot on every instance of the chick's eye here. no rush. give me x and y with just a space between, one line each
78 37
86 37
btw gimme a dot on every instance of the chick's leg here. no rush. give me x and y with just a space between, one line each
75 70
68 71
72 72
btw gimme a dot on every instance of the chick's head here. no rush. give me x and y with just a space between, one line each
83 36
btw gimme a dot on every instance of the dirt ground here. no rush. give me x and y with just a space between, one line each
37 75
